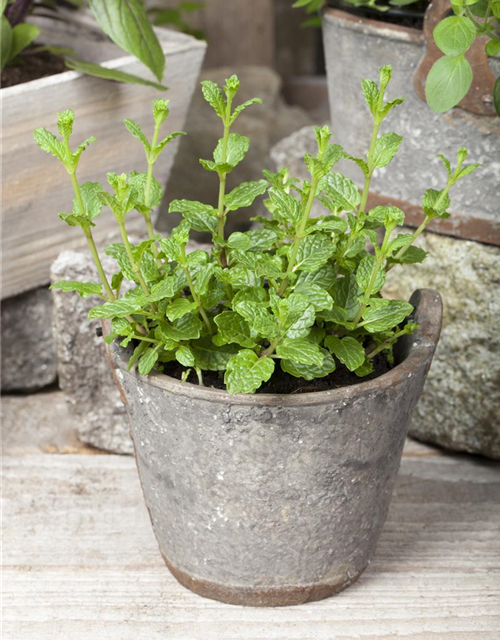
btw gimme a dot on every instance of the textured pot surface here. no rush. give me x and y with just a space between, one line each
356 49
273 500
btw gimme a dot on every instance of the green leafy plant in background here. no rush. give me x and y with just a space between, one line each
450 78
125 22
297 292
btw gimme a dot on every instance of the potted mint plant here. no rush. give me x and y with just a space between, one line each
269 385
134 53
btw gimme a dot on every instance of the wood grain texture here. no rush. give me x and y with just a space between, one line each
81 562
35 185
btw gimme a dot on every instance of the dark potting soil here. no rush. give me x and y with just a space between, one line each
33 66
411 16
282 382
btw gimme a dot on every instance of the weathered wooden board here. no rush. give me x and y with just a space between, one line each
36 187
81 562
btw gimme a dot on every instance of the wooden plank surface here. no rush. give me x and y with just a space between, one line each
81 562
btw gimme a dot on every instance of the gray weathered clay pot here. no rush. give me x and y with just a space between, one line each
270 500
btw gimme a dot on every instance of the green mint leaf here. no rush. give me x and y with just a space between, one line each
65 122
259 318
435 205
242 107
240 277
300 351
238 240
383 314
310 372
138 351
448 82
365 273
117 309
76 221
372 95
236 150
348 350
179 308
233 328
386 148
286 208
92 204
412 255
446 164
389 217
203 277
246 372
331 224
211 357
269 266
188 327
126 23
166 140
85 289
262 239
324 277
314 251
80 149
347 293
201 217
454 35
362 164
244 195
147 361
317 296
22 36
231 87
295 316
214 96
385 74
365 369
185 356
400 241
160 111
50 144
145 201
342 191
136 131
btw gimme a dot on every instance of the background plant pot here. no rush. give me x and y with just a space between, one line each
271 500
37 188
355 48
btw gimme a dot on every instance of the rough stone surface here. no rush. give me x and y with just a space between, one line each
264 124
84 372
355 50
28 349
460 407
244 492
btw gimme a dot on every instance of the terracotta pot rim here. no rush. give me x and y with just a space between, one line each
369 26
416 347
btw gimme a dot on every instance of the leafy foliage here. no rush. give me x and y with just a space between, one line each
296 292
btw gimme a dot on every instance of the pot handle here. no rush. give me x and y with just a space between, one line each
479 98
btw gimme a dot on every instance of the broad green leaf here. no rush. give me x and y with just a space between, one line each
448 82
300 351
244 195
362 164
258 317
295 315
185 356
386 148
325 277
22 36
50 144
310 372
257 295
92 204
210 357
6 43
201 217
136 131
186 328
372 95
341 191
317 296
214 96
240 276
95 70
246 372
348 350
314 251
346 295
365 369
179 308
76 221
286 208
145 200
233 328
80 149
117 309
85 289
236 149
166 140
435 203
262 239
383 314
147 361
454 35
238 240
126 23
400 241
203 277
365 275
330 224
412 255
269 266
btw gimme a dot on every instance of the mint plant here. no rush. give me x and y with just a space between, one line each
297 292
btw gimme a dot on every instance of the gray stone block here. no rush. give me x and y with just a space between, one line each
28 350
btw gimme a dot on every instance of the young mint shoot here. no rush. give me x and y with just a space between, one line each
297 292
